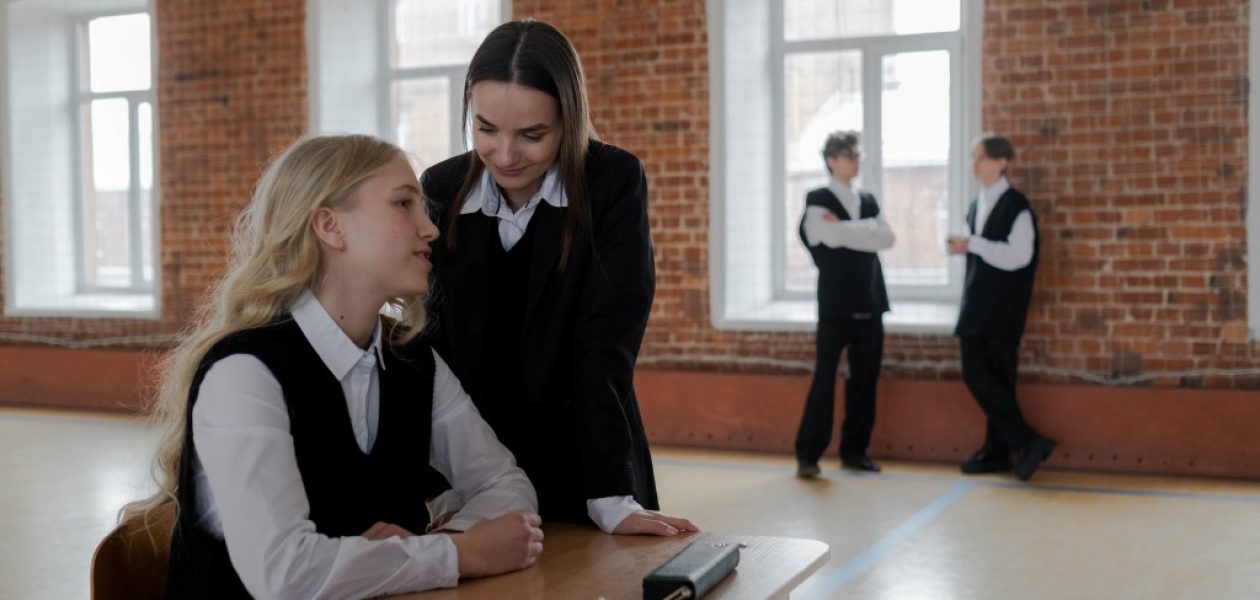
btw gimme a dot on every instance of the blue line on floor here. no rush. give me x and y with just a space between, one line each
825 586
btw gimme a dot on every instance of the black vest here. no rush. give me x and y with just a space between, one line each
501 398
528 430
995 302
348 490
849 281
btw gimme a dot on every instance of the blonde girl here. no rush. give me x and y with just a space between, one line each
301 421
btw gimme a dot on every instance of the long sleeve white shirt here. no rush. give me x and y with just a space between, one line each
251 492
864 235
1017 251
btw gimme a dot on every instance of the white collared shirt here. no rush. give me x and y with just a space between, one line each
250 490
487 198
848 196
1017 251
864 235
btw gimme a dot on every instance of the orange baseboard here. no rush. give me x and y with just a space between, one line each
102 379
1120 429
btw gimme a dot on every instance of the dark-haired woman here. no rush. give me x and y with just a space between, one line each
546 280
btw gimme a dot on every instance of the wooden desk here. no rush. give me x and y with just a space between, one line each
583 563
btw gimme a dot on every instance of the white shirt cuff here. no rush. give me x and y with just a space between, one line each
436 561
609 512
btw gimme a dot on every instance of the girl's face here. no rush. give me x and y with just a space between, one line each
987 170
516 133
386 233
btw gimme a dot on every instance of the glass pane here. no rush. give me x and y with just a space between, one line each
440 32
813 19
145 126
916 165
822 93
106 234
118 53
422 118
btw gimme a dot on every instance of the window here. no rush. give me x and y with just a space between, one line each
397 71
80 234
899 71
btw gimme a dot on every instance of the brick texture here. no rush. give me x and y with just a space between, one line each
1130 121
1129 118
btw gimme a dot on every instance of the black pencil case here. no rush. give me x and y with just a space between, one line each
697 568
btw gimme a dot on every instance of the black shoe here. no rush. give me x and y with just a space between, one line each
807 470
986 461
1030 458
861 463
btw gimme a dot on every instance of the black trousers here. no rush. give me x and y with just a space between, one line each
865 340
989 366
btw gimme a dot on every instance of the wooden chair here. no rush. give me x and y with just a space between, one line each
130 563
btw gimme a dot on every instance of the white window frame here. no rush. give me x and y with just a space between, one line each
76 299
747 261
134 98
377 93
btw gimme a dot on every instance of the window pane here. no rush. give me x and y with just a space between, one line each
106 234
145 126
422 118
812 19
822 93
440 32
916 128
118 53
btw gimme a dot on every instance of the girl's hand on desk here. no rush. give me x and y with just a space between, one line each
499 545
649 523
382 530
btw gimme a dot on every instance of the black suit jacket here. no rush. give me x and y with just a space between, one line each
582 331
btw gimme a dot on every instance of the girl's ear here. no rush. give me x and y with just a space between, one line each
327 226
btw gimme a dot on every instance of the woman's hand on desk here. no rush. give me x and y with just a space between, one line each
499 545
649 523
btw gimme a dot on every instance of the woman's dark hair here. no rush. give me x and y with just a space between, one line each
996 147
536 55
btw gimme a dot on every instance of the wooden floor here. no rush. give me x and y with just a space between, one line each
912 532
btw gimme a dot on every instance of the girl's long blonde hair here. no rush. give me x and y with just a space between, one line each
275 257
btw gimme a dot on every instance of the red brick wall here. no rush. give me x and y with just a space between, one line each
1129 118
1130 122
231 91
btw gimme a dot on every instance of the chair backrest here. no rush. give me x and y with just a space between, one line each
130 563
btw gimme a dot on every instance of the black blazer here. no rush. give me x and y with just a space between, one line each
582 331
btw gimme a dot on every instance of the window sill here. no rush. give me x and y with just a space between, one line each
128 306
920 317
